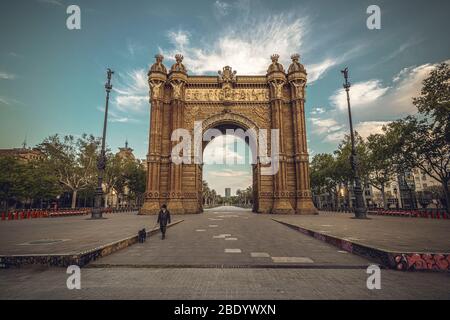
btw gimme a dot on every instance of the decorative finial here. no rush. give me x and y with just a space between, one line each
295 57
179 57
274 57
159 57
126 144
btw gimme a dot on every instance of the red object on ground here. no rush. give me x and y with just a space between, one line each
3 216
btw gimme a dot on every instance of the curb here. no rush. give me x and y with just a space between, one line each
228 266
404 261
80 259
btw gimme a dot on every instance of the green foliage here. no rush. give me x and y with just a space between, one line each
435 98
74 161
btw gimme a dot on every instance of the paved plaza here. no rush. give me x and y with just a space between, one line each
231 237
224 253
400 234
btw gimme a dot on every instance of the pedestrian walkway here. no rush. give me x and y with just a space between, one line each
232 237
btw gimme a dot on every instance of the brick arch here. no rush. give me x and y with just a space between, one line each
234 118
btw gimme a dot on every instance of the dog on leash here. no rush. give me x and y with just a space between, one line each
142 235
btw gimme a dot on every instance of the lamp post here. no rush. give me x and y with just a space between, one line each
360 209
101 164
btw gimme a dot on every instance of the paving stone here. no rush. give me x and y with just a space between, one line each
259 255
231 239
233 251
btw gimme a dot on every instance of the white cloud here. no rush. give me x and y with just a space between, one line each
325 125
366 128
361 94
317 70
131 91
373 99
245 46
7 76
221 151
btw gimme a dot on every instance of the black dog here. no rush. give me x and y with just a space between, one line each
142 235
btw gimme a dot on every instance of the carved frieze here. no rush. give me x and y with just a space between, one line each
227 94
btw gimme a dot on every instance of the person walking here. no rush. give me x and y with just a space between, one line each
163 220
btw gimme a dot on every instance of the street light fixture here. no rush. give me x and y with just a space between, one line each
101 163
360 210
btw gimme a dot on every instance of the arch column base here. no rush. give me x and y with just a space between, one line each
175 206
306 207
282 206
150 208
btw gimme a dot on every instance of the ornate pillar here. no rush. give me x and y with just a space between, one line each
277 79
157 77
297 81
177 80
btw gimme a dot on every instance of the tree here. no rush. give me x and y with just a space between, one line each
10 176
41 182
380 163
325 175
73 160
136 177
434 100
344 172
420 144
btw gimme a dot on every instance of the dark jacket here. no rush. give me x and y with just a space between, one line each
163 218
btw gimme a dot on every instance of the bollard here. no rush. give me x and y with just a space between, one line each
3 216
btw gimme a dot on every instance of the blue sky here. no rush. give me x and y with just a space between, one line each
51 78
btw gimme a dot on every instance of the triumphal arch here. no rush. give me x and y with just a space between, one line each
229 100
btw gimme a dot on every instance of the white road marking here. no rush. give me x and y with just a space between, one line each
259 255
292 259
222 236
200 230
230 238
233 251
213 226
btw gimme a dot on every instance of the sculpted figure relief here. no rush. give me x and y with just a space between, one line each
177 87
277 86
298 86
155 87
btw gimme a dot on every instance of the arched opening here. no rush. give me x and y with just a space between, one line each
229 164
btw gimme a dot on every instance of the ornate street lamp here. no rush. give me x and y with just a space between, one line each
360 209
101 164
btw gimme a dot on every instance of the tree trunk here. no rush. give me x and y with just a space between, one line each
74 199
